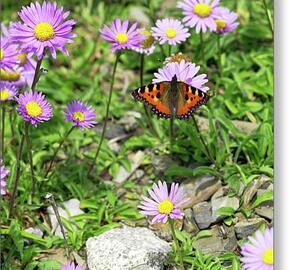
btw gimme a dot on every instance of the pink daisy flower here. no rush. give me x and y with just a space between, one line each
80 114
8 55
121 35
7 91
171 31
72 266
163 205
185 72
34 108
259 253
226 21
44 26
200 14
3 182
146 46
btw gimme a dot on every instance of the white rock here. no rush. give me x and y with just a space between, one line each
71 208
127 248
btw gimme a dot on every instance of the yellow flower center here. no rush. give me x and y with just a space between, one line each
9 75
220 24
165 207
1 54
268 256
79 116
33 109
23 58
121 38
202 10
4 94
44 31
170 33
148 42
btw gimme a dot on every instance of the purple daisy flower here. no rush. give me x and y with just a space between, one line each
80 114
163 204
7 91
259 254
3 174
34 108
145 46
121 35
72 266
8 55
185 72
200 14
226 21
43 26
171 31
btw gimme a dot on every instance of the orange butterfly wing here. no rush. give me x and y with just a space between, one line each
189 100
156 96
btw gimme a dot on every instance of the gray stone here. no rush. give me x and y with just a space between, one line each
129 121
247 227
265 212
127 249
216 244
70 208
199 189
251 189
202 214
161 163
137 13
189 224
34 230
225 201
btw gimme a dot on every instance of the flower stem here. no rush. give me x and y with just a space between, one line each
171 135
219 55
107 113
147 112
16 182
12 125
56 151
169 50
209 156
26 128
36 74
2 131
202 57
171 222
269 17
51 200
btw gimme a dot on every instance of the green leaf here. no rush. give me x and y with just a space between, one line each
15 234
267 196
226 211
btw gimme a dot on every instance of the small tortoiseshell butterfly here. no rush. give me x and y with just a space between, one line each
171 98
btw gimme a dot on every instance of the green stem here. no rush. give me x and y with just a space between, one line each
219 55
36 74
202 57
171 222
12 124
269 18
16 182
33 180
2 131
56 151
169 50
107 114
171 131
209 156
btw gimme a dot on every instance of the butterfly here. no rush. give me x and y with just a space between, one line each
171 98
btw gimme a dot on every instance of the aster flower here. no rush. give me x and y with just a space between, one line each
44 26
80 114
200 14
8 55
185 72
162 204
3 173
145 46
34 108
226 21
259 254
7 91
72 266
171 31
121 35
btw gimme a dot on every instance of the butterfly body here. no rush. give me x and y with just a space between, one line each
171 98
